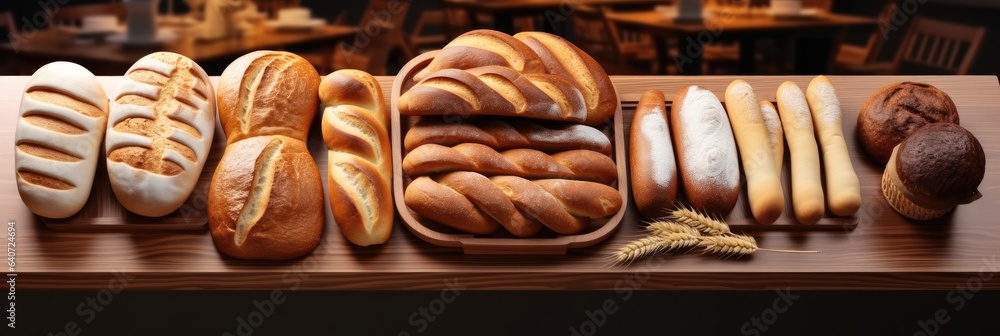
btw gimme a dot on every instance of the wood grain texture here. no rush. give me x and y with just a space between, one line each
885 251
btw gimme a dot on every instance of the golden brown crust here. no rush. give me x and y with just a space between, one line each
562 58
503 134
266 200
481 48
268 93
356 130
528 163
651 157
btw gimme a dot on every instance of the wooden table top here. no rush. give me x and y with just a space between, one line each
739 24
515 5
884 251
53 44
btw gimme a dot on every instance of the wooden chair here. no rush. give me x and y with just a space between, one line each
457 21
421 39
932 45
850 55
390 41
73 15
620 50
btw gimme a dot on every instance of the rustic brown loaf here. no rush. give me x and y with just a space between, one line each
565 206
481 48
268 93
266 200
898 109
494 90
706 151
562 58
468 202
502 134
159 133
651 157
355 129
57 142
582 165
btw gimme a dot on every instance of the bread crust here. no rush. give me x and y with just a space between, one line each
651 157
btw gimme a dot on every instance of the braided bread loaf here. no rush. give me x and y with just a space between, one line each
467 202
507 134
494 90
355 129
481 48
578 164
564 59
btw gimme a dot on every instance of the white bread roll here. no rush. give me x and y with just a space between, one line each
807 187
60 127
843 190
159 133
767 201
706 151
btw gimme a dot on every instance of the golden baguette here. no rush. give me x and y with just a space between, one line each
582 165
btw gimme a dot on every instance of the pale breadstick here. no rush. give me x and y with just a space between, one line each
843 191
767 201
775 136
807 188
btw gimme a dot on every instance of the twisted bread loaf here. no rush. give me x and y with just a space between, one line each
57 143
564 59
481 48
582 165
355 129
159 133
507 134
494 90
463 200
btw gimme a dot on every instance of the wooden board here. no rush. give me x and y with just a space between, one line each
885 251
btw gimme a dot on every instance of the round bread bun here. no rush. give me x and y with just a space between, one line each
898 109
936 168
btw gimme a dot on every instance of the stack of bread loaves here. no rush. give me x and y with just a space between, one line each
266 198
508 135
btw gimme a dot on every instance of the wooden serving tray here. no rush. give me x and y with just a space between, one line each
546 242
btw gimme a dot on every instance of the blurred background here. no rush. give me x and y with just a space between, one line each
625 36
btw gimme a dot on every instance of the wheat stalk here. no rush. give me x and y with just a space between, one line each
664 227
704 223
727 246
659 243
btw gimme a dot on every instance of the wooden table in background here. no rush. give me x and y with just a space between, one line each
555 12
812 56
883 252
108 57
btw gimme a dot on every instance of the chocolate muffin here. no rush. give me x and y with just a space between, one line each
896 110
933 170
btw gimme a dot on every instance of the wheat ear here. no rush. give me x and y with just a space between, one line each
664 227
647 246
707 225
727 246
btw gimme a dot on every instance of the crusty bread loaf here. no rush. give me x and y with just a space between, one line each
565 206
843 189
767 201
807 187
355 129
651 157
266 200
481 48
562 58
494 90
578 164
502 134
268 93
706 151
159 133
57 142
